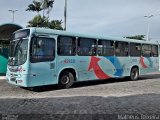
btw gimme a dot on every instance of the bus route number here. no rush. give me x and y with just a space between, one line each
69 61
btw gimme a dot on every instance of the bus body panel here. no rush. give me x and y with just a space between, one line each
42 74
18 75
149 65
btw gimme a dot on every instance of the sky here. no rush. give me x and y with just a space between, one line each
118 18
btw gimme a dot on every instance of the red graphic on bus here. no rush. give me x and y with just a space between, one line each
142 62
96 68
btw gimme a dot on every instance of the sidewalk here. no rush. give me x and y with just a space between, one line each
2 77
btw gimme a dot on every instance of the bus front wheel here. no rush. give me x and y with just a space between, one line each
66 80
134 74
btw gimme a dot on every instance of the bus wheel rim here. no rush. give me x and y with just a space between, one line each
65 80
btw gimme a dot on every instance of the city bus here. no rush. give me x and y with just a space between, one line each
3 56
41 56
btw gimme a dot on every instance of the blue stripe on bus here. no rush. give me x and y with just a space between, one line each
117 65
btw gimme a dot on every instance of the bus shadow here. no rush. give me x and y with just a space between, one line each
92 83
149 76
76 85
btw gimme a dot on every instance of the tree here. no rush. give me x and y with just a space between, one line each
56 24
35 7
137 37
47 5
43 21
38 21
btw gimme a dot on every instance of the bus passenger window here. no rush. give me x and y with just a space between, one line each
154 50
39 52
86 47
105 48
135 49
121 49
146 50
66 46
42 49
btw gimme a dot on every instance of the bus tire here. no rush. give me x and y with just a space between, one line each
134 74
66 80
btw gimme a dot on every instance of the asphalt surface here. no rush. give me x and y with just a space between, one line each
110 99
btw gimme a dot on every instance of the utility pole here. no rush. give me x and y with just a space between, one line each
148 26
65 16
13 12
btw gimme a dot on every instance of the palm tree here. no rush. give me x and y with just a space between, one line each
47 5
43 21
56 24
38 21
35 7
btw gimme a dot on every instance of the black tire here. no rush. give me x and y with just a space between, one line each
134 74
66 80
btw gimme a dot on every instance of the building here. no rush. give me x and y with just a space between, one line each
6 31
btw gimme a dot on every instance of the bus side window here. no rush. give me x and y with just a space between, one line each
42 49
105 48
121 48
154 50
146 50
135 49
86 47
66 46
117 49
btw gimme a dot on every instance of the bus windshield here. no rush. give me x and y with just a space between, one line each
18 52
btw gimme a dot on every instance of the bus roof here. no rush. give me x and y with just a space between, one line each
47 31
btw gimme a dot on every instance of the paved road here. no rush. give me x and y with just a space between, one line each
110 99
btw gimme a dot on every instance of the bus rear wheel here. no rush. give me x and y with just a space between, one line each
66 80
134 74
